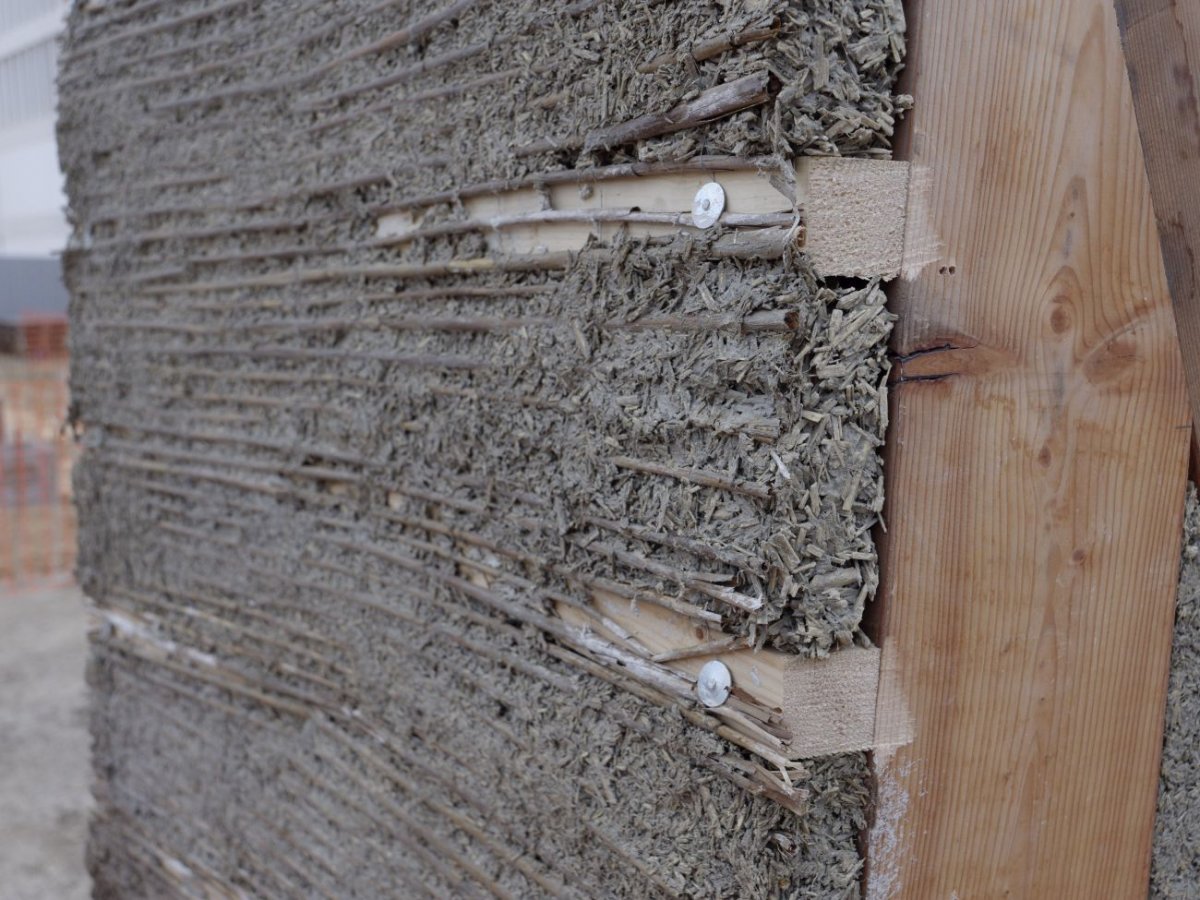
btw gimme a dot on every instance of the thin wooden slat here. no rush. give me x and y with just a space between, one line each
825 705
1036 466
853 211
1162 51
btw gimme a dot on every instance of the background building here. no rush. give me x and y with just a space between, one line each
33 227
32 223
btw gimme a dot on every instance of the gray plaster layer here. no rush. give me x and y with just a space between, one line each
333 492
1175 871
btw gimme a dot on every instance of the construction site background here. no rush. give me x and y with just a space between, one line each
37 520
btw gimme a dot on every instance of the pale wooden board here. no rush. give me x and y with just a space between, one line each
745 192
1036 470
828 705
854 211
1162 51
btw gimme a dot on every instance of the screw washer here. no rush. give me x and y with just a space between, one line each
714 683
707 205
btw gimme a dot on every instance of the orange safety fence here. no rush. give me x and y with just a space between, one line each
37 518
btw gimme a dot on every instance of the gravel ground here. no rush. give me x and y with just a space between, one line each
44 772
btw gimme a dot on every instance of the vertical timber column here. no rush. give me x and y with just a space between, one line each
1162 51
1036 470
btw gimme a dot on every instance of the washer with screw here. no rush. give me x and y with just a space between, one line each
714 683
707 205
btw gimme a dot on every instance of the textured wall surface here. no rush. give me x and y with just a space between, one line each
1175 872
333 487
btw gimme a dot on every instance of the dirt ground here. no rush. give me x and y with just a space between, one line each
44 774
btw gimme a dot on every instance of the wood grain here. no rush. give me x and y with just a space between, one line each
1036 470
1162 52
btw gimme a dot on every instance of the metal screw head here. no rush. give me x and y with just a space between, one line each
707 205
713 683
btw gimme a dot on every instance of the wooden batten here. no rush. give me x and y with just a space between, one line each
825 705
852 212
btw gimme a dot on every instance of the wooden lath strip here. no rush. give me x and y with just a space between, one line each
824 706
853 211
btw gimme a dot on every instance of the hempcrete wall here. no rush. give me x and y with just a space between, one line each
1175 869
326 509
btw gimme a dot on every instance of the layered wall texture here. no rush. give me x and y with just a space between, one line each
338 487
1175 869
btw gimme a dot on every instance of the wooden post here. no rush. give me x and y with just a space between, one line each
1162 51
1037 462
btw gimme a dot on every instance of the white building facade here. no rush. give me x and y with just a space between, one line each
32 223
